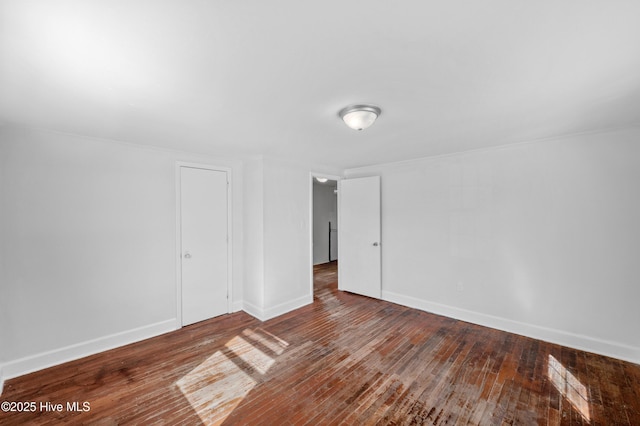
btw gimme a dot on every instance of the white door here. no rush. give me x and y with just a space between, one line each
203 220
359 270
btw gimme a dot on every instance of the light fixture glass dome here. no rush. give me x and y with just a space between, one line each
321 179
359 117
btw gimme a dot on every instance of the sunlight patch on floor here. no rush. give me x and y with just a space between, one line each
253 357
270 341
569 386
220 383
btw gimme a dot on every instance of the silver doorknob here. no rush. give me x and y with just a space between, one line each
375 244
187 255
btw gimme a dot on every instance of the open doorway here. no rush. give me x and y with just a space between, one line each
325 234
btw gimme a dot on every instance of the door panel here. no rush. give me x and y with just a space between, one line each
360 236
203 215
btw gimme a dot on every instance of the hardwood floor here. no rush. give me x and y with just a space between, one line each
345 359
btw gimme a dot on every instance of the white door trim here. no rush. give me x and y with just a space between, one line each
178 258
313 175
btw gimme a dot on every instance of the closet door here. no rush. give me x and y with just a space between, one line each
203 240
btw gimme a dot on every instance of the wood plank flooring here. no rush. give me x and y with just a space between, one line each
345 359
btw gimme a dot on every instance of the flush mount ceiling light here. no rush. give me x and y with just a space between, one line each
321 180
359 117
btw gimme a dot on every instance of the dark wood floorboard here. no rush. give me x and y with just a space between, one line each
345 359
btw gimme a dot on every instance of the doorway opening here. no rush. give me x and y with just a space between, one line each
324 233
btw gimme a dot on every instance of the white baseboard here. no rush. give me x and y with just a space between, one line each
47 359
236 306
572 340
253 310
264 314
289 306
323 262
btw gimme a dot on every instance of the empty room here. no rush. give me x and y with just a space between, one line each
313 213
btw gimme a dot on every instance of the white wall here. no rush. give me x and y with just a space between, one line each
284 234
325 210
541 239
254 236
88 240
287 235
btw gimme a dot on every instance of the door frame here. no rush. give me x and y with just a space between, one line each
312 176
178 251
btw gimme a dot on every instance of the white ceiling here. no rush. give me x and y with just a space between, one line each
243 77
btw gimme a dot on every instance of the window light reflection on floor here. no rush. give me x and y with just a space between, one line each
569 386
220 383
